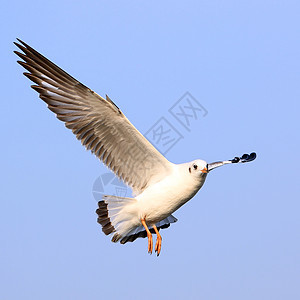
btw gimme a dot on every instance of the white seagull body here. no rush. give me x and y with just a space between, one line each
158 201
160 187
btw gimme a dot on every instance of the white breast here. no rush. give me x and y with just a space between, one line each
163 198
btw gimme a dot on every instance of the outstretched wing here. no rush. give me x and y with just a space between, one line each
97 122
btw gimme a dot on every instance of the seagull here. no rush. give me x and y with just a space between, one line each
159 187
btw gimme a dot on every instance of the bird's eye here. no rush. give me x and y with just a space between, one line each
195 167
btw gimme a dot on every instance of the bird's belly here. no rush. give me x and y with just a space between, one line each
158 202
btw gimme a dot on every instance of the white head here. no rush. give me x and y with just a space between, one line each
198 167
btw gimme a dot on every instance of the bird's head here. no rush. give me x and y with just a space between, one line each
198 168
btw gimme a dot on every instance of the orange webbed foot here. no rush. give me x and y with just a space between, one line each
149 235
158 241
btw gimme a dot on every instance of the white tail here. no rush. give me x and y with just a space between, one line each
113 217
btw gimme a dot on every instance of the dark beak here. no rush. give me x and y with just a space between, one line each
243 159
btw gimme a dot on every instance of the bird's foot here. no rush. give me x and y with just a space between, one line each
158 245
150 243
158 241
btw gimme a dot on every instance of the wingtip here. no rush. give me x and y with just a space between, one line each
22 63
22 44
17 45
20 41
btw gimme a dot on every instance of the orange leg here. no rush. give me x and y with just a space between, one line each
149 235
158 241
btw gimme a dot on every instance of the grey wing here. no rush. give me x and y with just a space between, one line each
97 122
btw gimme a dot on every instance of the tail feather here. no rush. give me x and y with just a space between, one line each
110 216
103 218
113 217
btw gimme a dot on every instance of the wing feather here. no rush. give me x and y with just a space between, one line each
97 122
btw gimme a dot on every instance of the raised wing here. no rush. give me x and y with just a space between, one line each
97 122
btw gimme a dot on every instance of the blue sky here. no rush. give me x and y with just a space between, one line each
239 237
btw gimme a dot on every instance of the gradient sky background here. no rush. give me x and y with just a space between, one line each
239 238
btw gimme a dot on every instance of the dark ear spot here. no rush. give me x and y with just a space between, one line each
190 170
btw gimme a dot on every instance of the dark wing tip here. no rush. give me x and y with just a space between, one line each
20 45
23 43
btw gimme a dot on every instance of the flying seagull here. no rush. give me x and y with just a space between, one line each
159 186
